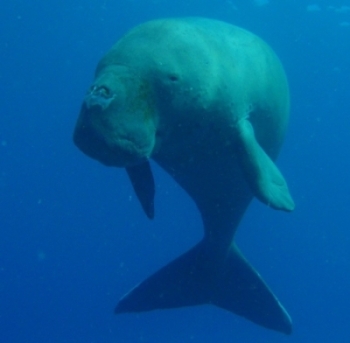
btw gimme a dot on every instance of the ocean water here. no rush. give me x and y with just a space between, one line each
73 238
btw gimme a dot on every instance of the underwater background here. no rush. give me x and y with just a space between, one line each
73 237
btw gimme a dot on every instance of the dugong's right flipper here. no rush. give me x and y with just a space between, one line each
142 181
263 176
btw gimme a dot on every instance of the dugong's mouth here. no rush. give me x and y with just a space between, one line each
98 141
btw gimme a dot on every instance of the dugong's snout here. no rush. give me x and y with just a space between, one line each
109 131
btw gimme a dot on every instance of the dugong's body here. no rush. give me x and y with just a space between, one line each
209 103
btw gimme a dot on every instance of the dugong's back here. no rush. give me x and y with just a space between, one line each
219 62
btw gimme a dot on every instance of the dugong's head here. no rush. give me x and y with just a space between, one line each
117 121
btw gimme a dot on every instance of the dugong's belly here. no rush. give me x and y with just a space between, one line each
202 159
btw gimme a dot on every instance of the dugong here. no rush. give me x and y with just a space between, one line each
209 103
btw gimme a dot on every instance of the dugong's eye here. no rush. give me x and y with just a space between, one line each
173 77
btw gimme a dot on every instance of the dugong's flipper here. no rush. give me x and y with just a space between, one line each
198 277
141 178
263 176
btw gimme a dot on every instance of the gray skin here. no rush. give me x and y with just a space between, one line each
209 103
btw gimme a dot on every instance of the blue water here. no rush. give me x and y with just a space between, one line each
73 238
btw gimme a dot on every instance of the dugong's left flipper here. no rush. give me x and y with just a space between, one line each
263 176
142 181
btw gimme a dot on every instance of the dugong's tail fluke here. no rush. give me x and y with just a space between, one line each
242 291
197 278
